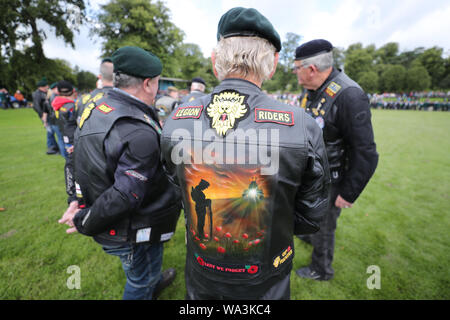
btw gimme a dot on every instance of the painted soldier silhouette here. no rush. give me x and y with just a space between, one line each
201 203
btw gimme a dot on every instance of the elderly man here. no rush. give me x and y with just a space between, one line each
341 108
253 171
198 87
131 206
167 103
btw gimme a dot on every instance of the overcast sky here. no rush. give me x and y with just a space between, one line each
411 23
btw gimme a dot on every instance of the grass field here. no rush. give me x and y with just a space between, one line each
400 223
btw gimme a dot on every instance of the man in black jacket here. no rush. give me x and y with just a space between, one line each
40 105
341 108
253 171
131 205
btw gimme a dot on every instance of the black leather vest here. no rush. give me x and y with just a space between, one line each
239 157
91 173
323 109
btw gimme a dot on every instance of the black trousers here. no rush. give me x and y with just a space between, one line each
323 240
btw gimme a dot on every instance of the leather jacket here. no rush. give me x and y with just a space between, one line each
253 172
128 196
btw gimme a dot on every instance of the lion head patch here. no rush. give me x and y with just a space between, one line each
226 109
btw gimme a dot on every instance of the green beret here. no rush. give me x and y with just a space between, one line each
53 85
243 22
107 59
42 82
136 62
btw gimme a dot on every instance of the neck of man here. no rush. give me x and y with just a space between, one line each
250 77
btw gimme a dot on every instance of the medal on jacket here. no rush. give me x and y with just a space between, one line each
226 109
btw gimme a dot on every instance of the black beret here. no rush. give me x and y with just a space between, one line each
64 87
312 48
199 80
137 62
243 22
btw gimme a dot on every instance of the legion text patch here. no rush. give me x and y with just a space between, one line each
188 112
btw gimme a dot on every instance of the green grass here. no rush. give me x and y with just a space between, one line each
400 223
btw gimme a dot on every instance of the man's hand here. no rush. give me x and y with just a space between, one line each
341 203
67 217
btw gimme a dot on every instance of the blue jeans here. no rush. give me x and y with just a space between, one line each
51 142
61 144
142 265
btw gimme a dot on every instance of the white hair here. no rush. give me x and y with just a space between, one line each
122 80
322 61
197 86
244 56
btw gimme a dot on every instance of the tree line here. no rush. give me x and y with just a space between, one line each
147 24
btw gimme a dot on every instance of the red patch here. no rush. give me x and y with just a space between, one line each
193 112
276 116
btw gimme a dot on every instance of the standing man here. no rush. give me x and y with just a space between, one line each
105 78
258 165
341 108
40 105
167 103
198 87
131 206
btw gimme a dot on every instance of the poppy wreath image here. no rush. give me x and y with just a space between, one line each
252 269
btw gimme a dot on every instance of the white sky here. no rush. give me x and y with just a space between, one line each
411 23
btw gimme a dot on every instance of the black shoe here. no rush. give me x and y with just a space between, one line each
52 151
167 278
308 273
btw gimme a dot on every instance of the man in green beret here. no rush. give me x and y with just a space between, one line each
130 206
264 163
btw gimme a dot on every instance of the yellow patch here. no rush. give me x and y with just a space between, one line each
86 98
225 109
86 113
104 108
332 89
283 257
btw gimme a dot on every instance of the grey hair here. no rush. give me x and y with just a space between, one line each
198 86
322 61
122 80
106 70
244 56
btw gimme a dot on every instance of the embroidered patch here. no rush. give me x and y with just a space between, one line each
332 89
86 98
280 259
136 175
226 109
86 113
193 112
227 268
104 108
275 116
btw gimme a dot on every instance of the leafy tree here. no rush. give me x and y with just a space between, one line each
368 80
432 60
86 80
142 23
417 78
357 61
18 23
392 79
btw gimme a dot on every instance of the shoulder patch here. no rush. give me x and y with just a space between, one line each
193 112
332 89
276 116
86 114
85 98
104 108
